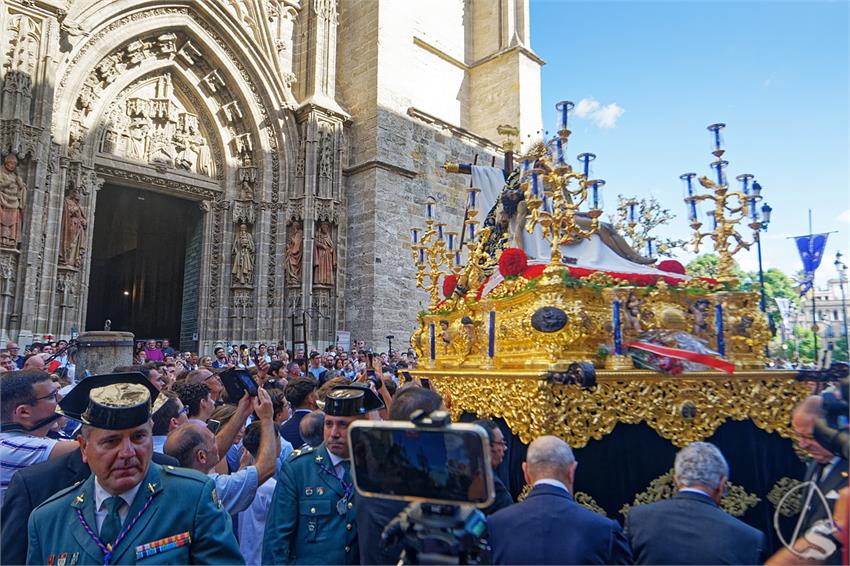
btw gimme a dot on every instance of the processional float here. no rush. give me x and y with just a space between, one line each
528 303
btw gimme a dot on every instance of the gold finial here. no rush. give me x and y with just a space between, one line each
451 167
509 133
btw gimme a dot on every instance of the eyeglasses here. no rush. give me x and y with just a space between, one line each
54 394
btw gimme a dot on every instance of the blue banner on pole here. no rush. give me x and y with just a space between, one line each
811 252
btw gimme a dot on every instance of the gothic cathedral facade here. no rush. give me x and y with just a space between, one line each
211 171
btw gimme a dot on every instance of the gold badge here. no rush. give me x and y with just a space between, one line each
80 498
151 487
319 458
215 498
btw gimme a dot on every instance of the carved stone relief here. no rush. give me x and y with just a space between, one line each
74 225
148 122
324 256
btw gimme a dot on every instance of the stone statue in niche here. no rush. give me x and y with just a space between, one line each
74 224
294 253
324 256
243 257
13 192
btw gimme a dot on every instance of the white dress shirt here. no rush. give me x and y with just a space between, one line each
100 497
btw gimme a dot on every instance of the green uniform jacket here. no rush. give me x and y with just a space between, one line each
304 525
183 524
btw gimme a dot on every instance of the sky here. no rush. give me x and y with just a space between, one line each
648 77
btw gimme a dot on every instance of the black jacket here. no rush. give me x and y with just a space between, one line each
291 429
690 528
30 487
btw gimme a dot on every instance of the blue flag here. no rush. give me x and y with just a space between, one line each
811 252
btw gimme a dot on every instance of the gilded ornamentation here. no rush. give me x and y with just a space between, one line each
792 504
736 502
586 501
531 407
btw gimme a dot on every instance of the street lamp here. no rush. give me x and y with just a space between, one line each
758 225
841 267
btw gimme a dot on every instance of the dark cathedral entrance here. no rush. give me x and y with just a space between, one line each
145 265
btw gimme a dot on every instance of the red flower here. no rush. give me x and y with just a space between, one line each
672 266
449 284
533 271
513 261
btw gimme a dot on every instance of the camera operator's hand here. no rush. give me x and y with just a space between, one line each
262 368
263 405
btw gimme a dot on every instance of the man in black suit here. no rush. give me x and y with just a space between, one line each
827 471
498 447
690 528
549 527
301 394
30 487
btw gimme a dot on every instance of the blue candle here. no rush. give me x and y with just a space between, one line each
560 150
563 107
429 209
718 323
713 218
755 209
433 344
421 255
472 199
415 236
491 345
451 241
650 252
618 338
595 195
440 231
526 165
534 187
692 215
471 232
457 258
631 212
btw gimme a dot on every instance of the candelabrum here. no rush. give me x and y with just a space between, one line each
628 210
437 251
554 192
728 209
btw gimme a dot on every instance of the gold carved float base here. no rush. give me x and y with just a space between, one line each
682 409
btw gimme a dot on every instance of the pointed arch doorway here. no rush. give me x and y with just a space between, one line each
145 263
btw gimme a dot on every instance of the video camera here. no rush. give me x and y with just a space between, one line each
442 469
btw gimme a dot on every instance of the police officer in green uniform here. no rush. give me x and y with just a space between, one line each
311 517
128 511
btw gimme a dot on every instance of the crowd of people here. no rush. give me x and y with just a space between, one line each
156 460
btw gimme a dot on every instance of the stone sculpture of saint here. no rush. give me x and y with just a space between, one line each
13 193
324 256
294 252
243 257
74 226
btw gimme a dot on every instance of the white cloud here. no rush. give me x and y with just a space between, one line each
844 216
604 116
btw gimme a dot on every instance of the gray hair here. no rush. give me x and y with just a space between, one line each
700 463
550 454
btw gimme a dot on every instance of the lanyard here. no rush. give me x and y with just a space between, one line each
347 487
107 549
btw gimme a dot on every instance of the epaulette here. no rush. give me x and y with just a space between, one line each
298 452
185 473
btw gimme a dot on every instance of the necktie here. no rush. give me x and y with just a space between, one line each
112 523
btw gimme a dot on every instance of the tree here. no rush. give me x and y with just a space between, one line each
706 265
776 285
648 216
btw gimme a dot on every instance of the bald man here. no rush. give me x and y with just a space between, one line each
549 527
